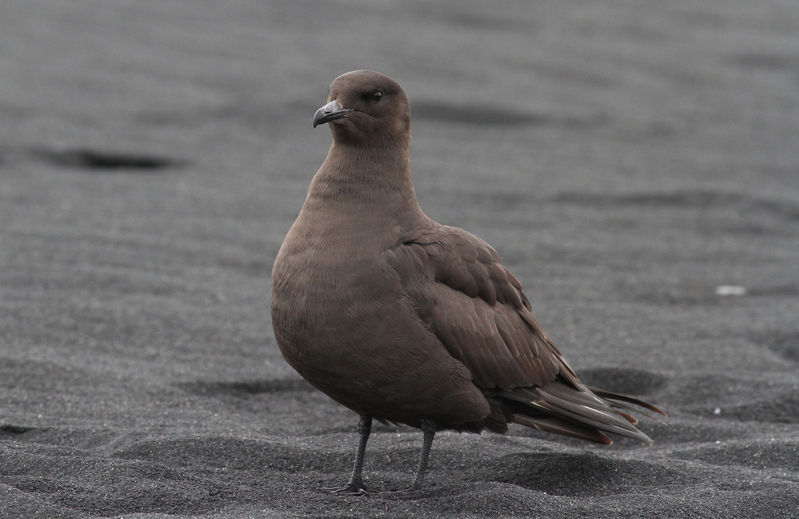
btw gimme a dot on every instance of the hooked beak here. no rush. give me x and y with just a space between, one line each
330 112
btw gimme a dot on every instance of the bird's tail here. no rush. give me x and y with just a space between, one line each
586 413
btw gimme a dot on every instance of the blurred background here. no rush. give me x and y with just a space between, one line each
160 150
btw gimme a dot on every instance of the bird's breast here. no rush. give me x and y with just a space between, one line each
323 292
343 320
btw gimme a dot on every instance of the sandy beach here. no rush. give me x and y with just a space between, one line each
154 154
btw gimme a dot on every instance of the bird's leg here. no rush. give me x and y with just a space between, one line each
429 430
355 486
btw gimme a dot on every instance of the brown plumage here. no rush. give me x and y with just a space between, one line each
406 320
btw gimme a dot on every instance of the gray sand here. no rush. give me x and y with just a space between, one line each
153 155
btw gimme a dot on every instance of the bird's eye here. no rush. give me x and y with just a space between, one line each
377 94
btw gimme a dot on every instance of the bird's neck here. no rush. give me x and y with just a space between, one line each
366 179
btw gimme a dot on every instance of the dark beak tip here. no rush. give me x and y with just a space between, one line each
330 112
319 117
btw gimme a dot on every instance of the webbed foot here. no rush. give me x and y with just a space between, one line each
351 489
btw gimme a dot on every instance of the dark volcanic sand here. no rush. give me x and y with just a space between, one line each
625 158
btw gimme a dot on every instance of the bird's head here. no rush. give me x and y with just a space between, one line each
366 107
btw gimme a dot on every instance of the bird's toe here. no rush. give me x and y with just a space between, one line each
351 489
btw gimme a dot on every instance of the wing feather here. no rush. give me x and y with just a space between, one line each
476 308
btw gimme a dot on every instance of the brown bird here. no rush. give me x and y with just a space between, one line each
406 320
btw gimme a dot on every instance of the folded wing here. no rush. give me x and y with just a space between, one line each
460 289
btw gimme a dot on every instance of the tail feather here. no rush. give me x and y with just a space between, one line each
625 398
630 418
557 426
585 413
620 405
604 418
